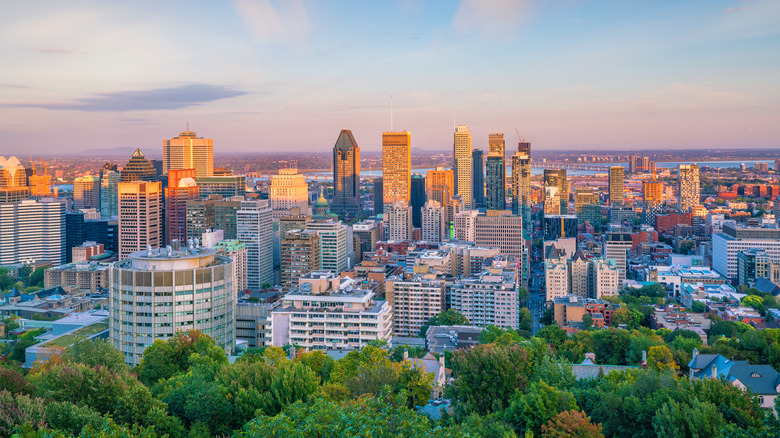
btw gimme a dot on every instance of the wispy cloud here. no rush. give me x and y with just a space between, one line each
155 99
276 21
59 51
494 18
734 10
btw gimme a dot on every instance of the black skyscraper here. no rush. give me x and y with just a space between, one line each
346 176
418 199
478 178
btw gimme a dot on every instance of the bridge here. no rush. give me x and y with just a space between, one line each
570 166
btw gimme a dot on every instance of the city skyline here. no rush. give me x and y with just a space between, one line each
559 74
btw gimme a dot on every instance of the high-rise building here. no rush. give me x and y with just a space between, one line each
632 164
489 298
32 231
616 188
86 192
138 169
688 186
478 177
378 194
644 165
465 225
495 173
188 151
418 199
300 255
557 178
463 169
346 176
552 200
616 247
288 189
583 197
226 186
369 232
559 226
524 147
653 193
398 220
440 185
144 309
502 230
735 238
140 216
213 213
335 244
181 189
606 278
414 302
255 229
12 173
396 166
236 250
521 187
433 222
109 184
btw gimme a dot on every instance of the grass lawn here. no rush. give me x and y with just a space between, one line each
82 333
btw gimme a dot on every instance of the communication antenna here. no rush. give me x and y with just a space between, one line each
391 113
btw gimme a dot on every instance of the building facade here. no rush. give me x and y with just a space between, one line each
255 230
346 176
32 231
140 216
288 189
396 166
688 187
462 166
414 302
188 151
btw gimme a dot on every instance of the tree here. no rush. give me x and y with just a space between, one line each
70 419
24 341
698 307
537 406
552 334
493 334
165 359
755 302
587 321
96 352
571 424
19 409
11 380
661 359
556 373
448 317
547 317
697 420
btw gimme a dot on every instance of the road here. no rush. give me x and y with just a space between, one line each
536 288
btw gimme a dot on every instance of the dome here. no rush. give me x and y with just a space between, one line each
321 202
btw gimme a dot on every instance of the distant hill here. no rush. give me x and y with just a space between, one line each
122 151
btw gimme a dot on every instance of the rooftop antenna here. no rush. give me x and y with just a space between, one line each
391 113
188 126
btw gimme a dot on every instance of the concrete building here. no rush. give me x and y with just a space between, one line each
502 230
490 298
181 189
463 172
156 293
236 250
86 192
465 225
300 255
414 302
138 169
735 238
188 151
583 197
226 186
440 185
335 244
140 216
253 323
556 278
559 226
216 213
255 230
606 278
398 221
89 276
616 247
288 189
495 173
433 222
396 166
557 178
109 189
86 250
616 187
688 187
552 201
521 187
478 178
32 232
329 312
346 176
12 173
755 263
369 232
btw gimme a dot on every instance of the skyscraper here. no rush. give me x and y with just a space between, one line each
440 185
632 164
557 178
140 216
32 231
688 186
653 193
463 170
418 199
346 176
86 192
138 168
335 244
188 151
378 192
398 217
109 182
495 173
616 188
478 178
521 188
288 190
433 222
396 166
524 147
300 255
254 227
181 188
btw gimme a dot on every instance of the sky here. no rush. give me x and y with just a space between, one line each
288 75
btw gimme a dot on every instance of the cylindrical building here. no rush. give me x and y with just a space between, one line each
157 292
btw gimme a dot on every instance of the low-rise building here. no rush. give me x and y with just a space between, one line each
439 339
89 276
570 309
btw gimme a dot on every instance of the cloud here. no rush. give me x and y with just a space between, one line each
58 51
156 99
734 10
277 21
494 18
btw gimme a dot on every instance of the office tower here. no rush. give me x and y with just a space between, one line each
478 177
335 244
32 231
583 197
188 151
440 185
103 231
489 298
12 173
109 184
777 165
398 219
578 274
559 226
418 199
75 232
616 246
143 284
606 278
226 186
414 302
616 188
288 189
236 250
9 195
346 176
396 166
465 225
753 264
138 169
369 232
377 190
653 193
737 237
433 222
463 171
140 216
521 188
632 162
552 201
86 192
254 227
495 173
524 147
688 186
556 276
216 213
181 189
557 178
644 165
300 255
501 230
293 221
